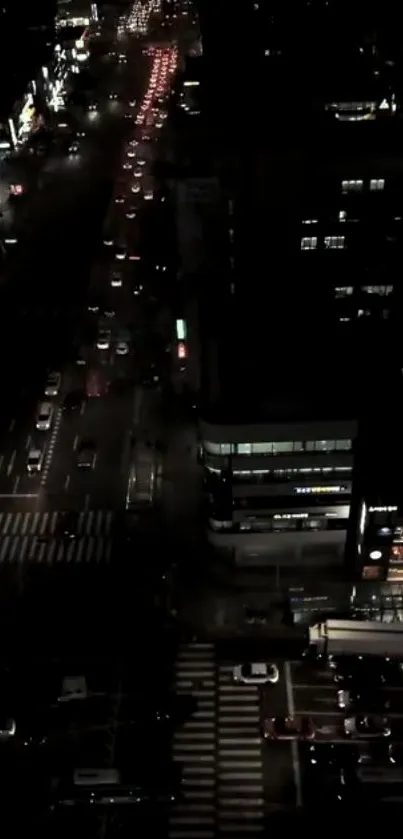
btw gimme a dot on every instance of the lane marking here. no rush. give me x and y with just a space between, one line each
294 745
12 425
11 463
16 485
67 482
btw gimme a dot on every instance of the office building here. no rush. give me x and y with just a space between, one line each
304 320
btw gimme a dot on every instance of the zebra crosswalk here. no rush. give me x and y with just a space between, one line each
194 745
240 790
36 537
219 749
90 523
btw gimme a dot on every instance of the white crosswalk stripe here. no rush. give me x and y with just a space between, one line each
35 538
194 745
90 523
240 790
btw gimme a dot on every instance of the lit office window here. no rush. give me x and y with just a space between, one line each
343 291
377 184
309 243
335 243
352 186
380 290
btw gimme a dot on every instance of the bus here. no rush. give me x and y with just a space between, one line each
142 482
356 638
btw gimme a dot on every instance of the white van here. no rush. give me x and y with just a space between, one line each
44 416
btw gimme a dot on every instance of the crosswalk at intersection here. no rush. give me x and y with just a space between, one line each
219 749
36 537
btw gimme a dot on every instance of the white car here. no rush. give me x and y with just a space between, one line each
138 173
34 461
148 195
256 673
122 348
131 153
116 280
53 383
104 339
363 727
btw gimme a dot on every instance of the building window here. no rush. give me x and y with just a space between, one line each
376 184
335 242
352 186
381 290
343 291
217 448
309 243
244 448
283 447
262 448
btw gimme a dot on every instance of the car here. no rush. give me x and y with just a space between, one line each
116 280
68 524
8 728
120 253
119 199
44 416
109 312
132 103
141 162
122 348
93 306
81 133
34 461
127 166
74 148
131 211
133 143
135 188
330 755
359 673
395 754
364 727
104 339
131 153
113 96
72 401
366 699
148 194
256 673
137 289
288 728
138 173
86 454
128 115
93 106
53 383
95 384
73 688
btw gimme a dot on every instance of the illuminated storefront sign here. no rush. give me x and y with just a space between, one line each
383 509
319 490
26 116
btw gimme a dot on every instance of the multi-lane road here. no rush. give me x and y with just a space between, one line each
46 323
